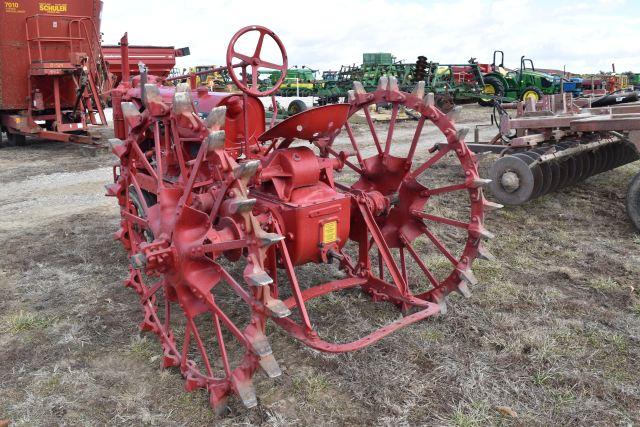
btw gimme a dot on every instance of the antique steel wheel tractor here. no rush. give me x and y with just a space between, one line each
212 209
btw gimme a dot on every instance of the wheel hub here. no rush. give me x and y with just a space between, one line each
510 181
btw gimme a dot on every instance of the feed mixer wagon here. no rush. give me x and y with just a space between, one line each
52 73
220 216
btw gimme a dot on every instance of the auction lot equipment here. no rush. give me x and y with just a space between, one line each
508 85
158 60
52 71
451 83
555 143
213 209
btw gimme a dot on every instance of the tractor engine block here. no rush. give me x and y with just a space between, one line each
298 189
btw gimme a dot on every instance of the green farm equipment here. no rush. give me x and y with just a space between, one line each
335 84
510 85
451 83
634 80
297 82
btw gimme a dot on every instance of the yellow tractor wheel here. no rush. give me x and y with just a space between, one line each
531 92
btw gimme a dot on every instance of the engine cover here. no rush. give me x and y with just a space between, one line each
297 188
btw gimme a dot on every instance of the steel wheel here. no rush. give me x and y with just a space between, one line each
435 219
174 247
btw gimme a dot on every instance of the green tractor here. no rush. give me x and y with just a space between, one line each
634 80
509 85
297 82
451 83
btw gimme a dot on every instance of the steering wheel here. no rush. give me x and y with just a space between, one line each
255 62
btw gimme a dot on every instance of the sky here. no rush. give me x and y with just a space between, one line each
583 36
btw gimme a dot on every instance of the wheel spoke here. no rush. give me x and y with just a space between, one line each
354 144
392 124
416 138
149 292
440 219
439 245
221 346
143 159
254 76
447 189
256 53
372 128
270 65
185 345
403 265
159 162
346 162
141 197
244 58
201 347
434 281
432 160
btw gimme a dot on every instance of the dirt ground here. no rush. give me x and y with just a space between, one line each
550 336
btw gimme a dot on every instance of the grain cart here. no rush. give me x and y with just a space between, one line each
52 71
555 143
213 209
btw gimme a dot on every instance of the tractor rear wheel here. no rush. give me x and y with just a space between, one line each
633 201
492 86
173 245
531 92
296 106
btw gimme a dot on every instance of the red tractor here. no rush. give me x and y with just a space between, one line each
220 213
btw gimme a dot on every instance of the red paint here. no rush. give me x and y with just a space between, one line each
44 47
191 197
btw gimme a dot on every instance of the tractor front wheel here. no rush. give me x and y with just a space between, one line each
494 87
531 92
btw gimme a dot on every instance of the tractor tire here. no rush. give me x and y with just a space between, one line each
494 87
296 106
531 91
633 201
14 139
445 102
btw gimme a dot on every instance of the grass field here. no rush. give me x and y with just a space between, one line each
550 336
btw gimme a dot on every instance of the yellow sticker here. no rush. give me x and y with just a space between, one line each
52 7
330 232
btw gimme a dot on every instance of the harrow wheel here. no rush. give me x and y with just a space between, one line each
412 231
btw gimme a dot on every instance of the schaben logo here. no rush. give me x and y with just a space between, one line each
53 7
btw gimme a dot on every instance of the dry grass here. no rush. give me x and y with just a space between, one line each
552 331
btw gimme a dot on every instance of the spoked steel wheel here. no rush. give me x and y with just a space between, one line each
174 247
435 216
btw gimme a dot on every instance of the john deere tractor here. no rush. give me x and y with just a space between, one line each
509 85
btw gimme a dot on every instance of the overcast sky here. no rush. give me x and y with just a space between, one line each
584 36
